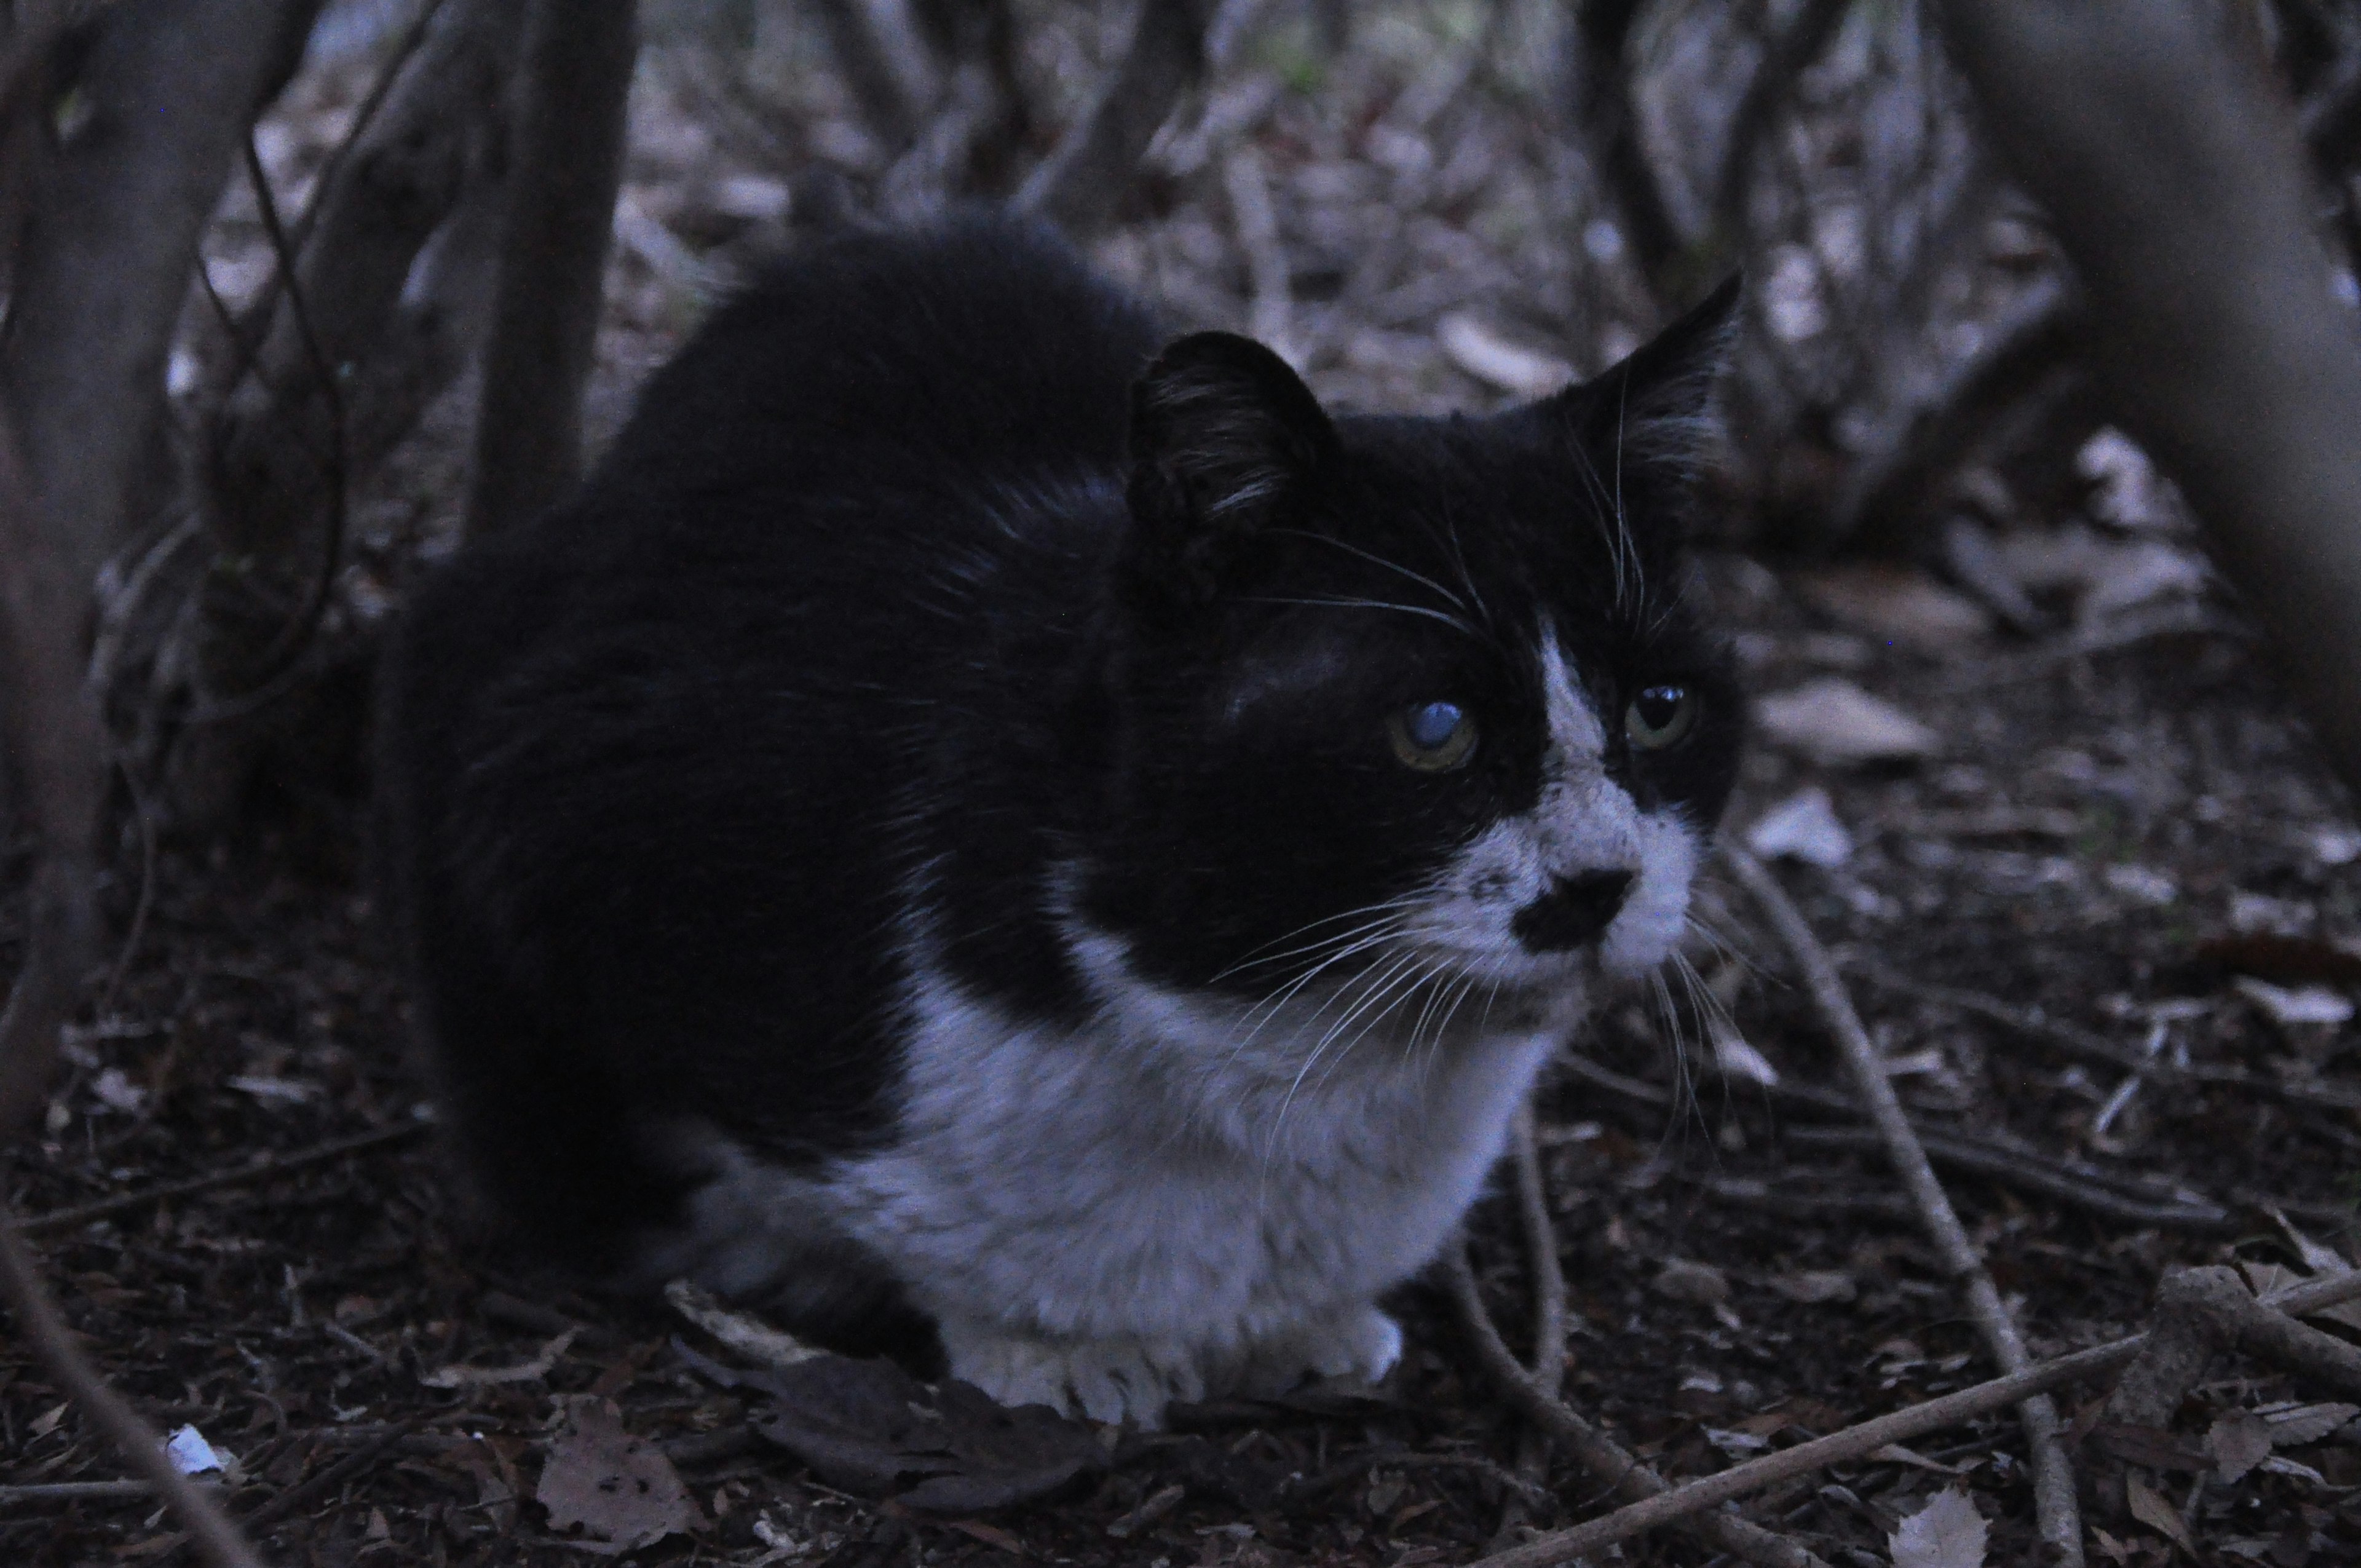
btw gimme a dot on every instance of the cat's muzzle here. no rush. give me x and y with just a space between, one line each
1574 912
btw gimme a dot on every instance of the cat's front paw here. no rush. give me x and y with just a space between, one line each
1357 1345
1115 1379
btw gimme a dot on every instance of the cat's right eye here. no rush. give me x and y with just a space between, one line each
1432 736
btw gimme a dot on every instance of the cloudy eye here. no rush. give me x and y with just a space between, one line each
1659 716
1432 736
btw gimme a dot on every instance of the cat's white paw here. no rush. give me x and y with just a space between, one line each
1357 1345
1105 1379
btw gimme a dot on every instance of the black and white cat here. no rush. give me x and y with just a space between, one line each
978 808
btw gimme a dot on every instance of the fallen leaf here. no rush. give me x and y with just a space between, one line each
2306 1423
2144 884
2279 1464
2295 1005
749 1337
1814 1286
1893 604
2238 1440
2153 1512
2317 1256
620 1488
1834 722
464 1377
1699 1284
870 1427
118 1092
1494 360
1947 1533
1804 827
2152 1448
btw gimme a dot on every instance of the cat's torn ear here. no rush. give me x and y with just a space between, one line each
1652 411
1225 439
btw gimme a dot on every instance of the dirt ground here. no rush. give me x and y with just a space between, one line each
2108 826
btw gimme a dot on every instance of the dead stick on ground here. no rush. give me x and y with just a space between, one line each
270 1166
42 1327
1547 1368
1859 1441
2060 1516
1599 1455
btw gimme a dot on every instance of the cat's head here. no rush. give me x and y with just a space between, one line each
1409 702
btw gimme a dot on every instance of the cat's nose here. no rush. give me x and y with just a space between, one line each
1575 910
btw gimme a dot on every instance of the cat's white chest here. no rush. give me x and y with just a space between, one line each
1150 1175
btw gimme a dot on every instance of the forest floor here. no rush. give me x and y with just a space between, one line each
2108 826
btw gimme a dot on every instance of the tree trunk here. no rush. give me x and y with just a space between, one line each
2178 183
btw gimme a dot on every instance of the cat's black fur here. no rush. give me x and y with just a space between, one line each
902 585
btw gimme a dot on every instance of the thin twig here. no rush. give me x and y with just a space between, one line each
268 1166
40 1325
2053 1476
2073 1041
1547 1366
327 1480
2094 1191
1600 1457
79 1492
1860 1441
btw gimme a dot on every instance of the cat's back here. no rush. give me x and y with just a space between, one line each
931 363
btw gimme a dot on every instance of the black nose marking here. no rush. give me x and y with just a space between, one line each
1573 911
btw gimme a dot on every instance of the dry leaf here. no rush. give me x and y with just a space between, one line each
1497 362
1947 1533
1804 827
462 1376
1815 1285
870 1427
1699 1284
2152 1510
2295 1005
1837 723
619 1488
751 1337
2152 1448
1893 604
2295 1426
2238 1442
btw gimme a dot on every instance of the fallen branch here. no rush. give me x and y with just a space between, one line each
2053 1476
1602 1459
267 1166
1858 1443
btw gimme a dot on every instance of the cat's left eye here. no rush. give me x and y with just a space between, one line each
1432 736
1659 716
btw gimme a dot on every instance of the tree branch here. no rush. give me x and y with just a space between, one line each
577 80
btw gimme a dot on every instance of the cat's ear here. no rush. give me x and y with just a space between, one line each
1651 411
1226 439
